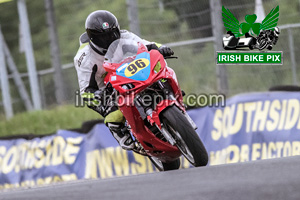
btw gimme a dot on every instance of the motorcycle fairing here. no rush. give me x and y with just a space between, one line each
141 73
142 79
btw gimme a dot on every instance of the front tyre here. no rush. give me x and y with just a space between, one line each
187 140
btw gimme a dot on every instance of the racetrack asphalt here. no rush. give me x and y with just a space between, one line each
258 180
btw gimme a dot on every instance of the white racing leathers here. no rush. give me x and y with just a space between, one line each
89 57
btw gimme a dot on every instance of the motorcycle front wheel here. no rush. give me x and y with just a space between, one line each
187 140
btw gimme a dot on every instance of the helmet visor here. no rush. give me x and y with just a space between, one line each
104 39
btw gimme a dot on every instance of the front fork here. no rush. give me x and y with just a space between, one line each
190 120
167 134
171 95
147 113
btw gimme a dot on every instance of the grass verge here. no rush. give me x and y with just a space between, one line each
47 121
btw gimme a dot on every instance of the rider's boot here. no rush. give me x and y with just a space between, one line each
121 134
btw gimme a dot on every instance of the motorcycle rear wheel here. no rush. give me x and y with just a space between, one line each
165 166
187 140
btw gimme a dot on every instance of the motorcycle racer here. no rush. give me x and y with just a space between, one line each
102 29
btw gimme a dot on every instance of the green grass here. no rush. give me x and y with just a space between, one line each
47 121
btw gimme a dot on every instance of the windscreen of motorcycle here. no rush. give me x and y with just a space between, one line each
121 49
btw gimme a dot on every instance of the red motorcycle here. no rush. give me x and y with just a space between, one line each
151 101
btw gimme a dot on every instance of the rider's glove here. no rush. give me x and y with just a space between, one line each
101 101
165 51
93 100
89 99
100 95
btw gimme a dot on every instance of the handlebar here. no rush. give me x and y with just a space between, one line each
170 57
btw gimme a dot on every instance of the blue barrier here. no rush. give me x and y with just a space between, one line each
251 127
